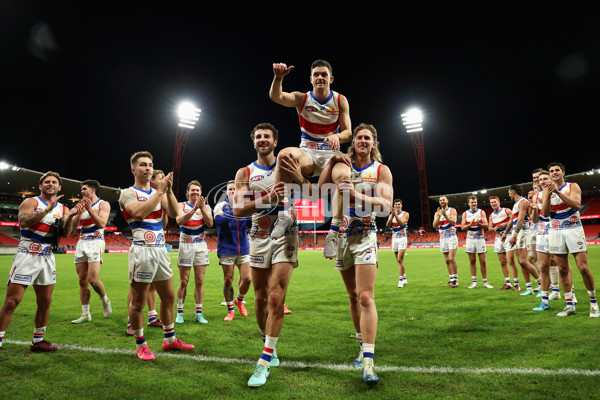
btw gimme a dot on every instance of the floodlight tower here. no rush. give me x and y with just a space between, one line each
412 121
188 116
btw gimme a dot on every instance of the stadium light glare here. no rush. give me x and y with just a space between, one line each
188 115
4 165
412 120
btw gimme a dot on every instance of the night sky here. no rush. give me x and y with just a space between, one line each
502 92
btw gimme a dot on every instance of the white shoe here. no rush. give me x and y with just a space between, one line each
594 311
331 246
487 285
574 298
569 310
472 286
554 296
82 319
400 284
107 309
223 303
282 223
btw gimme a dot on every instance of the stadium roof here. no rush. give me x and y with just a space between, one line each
25 182
589 182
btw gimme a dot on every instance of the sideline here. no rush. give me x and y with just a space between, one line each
338 367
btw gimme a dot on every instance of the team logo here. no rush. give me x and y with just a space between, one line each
369 178
187 239
264 222
555 224
257 259
149 237
22 278
257 178
35 247
311 109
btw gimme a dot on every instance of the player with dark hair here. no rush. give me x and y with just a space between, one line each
193 217
444 220
324 117
43 220
272 260
89 252
148 260
561 202
398 220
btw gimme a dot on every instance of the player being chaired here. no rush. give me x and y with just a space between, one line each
324 117
149 262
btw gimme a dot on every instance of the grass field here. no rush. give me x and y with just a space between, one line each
433 342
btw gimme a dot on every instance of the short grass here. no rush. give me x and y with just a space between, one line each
433 342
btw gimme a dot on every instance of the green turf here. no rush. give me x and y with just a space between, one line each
423 327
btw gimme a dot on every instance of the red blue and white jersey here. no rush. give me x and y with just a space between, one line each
474 232
358 219
543 224
498 218
89 230
319 118
399 231
445 229
149 230
260 180
561 215
193 230
38 238
515 212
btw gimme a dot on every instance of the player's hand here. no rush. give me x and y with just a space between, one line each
277 191
291 165
513 240
333 141
347 187
551 187
280 69
341 158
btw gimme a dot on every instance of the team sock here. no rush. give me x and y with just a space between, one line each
199 309
169 331
269 348
368 352
1 337
152 316
179 306
230 306
545 296
592 294
85 309
140 340
474 279
38 334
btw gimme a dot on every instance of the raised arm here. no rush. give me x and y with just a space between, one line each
276 93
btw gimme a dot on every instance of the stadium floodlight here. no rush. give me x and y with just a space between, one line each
4 165
413 123
413 120
188 115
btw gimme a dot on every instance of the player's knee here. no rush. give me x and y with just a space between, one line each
10 305
275 300
365 299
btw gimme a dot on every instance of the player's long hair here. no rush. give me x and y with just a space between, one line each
375 154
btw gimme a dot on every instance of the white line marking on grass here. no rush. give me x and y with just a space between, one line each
339 367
